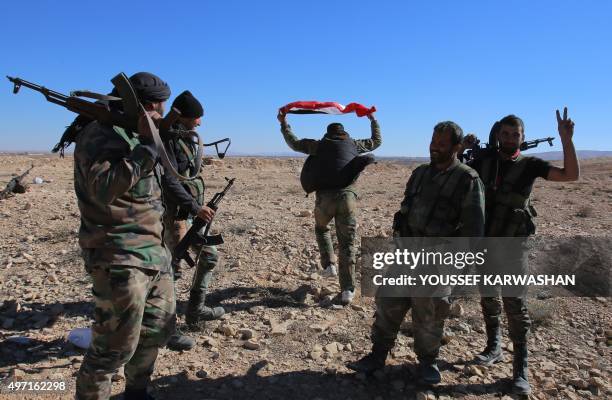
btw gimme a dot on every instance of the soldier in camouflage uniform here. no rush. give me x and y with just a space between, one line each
508 177
338 204
186 199
117 184
442 199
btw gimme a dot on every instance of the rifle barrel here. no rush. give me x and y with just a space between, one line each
18 82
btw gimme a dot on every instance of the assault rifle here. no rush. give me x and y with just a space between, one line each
534 143
126 117
193 235
15 185
99 111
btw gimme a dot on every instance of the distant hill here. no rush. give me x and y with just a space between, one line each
582 154
547 155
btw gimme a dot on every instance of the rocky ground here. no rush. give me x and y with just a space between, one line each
277 341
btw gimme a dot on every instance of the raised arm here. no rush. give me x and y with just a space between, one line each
365 145
571 168
307 146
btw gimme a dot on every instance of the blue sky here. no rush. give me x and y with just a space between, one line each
418 62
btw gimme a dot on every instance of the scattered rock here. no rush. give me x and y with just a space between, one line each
456 310
245 334
251 345
227 330
332 347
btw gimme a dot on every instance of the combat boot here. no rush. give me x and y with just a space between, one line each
520 380
197 311
372 362
428 372
493 352
180 342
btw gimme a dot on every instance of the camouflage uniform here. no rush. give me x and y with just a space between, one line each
117 184
436 203
339 205
183 199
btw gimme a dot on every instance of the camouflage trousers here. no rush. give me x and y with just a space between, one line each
134 315
516 311
207 256
428 315
341 206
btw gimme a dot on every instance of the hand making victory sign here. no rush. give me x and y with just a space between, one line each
565 125
571 169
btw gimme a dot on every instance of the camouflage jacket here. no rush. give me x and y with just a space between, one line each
117 184
442 203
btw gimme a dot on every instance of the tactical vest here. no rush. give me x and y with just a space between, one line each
433 209
195 186
509 212
333 166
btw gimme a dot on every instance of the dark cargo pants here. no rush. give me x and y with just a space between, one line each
428 316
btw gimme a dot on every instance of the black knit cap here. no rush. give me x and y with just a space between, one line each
188 105
336 128
150 88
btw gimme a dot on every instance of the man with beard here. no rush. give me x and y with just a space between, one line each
182 200
508 177
444 198
116 181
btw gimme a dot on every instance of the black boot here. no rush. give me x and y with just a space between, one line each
137 394
372 362
520 381
180 342
428 372
493 352
197 311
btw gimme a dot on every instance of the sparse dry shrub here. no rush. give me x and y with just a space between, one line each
541 312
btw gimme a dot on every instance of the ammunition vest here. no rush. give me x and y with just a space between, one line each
327 169
434 208
509 212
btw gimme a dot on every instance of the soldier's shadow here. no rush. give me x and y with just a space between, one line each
25 351
35 315
243 298
258 384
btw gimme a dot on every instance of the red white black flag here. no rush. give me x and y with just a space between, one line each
325 107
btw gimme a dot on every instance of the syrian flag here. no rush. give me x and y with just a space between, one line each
325 107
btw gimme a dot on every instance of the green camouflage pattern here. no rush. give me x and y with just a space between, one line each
117 184
134 315
439 203
428 315
443 203
207 256
341 206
